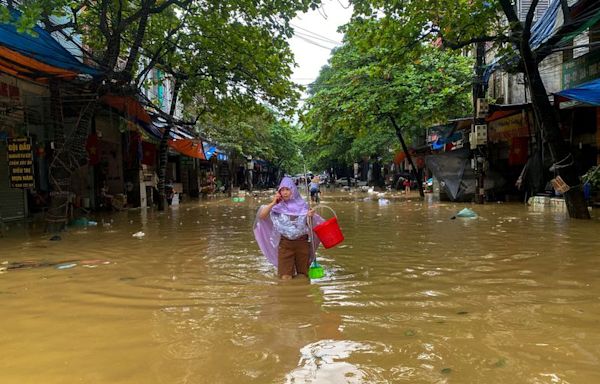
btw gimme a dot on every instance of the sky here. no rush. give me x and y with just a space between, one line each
315 35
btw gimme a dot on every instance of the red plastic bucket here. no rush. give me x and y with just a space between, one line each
329 232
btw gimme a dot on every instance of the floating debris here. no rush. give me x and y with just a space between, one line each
93 262
465 212
65 266
32 264
500 363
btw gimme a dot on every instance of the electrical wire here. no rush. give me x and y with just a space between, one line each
312 42
316 35
316 39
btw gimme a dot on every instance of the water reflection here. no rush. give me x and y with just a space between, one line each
411 296
322 362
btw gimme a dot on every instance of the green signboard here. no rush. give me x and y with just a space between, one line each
580 70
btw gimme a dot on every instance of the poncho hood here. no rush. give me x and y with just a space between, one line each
265 234
296 205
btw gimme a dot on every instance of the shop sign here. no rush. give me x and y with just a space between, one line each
580 70
506 128
20 162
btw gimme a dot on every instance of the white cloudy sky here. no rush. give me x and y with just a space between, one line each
315 35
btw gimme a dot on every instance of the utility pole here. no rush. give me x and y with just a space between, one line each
478 137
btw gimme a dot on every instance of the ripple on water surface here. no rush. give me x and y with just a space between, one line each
410 296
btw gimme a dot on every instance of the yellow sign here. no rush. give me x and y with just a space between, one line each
20 162
507 128
506 124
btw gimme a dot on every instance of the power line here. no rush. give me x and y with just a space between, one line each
307 36
316 35
321 11
312 42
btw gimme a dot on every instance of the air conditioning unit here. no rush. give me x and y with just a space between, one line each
483 108
478 135
481 133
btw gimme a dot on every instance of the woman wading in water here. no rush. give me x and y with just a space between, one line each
281 231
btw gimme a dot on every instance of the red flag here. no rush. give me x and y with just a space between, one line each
148 153
518 151
93 149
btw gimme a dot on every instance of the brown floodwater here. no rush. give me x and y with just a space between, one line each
512 296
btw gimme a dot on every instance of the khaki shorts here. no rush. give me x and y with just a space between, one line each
293 257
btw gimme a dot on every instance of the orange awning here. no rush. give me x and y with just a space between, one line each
18 65
189 147
399 158
128 105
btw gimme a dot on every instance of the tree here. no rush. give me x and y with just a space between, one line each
325 150
284 145
116 32
460 23
217 51
252 130
364 94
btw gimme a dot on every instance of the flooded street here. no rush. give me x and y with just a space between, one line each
411 296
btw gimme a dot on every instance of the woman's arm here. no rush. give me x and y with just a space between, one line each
264 212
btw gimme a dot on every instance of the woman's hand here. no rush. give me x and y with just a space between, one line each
266 209
276 199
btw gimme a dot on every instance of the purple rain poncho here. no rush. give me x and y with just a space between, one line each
265 234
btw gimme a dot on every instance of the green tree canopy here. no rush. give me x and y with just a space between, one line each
354 96
459 23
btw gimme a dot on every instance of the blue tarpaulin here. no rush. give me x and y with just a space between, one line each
547 25
209 150
43 48
541 31
588 93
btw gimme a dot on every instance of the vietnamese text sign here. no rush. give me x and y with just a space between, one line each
20 162
508 127
580 70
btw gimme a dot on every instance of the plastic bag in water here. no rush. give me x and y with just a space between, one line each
466 212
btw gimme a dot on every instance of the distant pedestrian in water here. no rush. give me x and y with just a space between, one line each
406 184
281 231
315 189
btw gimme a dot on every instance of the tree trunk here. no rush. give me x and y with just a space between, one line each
545 115
232 175
408 156
163 149
562 157
139 37
163 157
